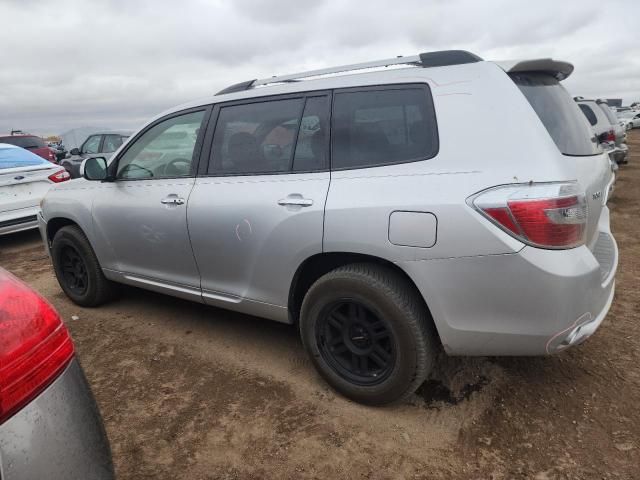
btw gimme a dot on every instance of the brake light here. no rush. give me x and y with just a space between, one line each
552 215
611 136
35 346
59 176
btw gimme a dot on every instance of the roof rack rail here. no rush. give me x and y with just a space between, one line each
427 59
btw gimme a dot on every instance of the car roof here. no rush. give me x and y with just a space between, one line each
406 69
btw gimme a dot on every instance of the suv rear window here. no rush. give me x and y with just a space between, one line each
558 112
591 116
381 126
24 141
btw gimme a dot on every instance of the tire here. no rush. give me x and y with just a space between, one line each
73 258
395 320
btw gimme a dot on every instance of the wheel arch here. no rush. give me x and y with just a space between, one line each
319 264
56 223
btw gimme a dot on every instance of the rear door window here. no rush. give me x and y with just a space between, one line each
312 146
381 126
588 113
256 138
111 143
558 112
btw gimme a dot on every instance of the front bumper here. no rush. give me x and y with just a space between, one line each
58 435
533 302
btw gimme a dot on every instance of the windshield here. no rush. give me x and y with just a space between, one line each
24 141
18 157
558 112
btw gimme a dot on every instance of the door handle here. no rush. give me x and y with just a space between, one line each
172 201
296 200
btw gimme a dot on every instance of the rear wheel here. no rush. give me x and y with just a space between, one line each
368 333
77 269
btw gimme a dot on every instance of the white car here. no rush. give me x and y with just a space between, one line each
633 120
24 180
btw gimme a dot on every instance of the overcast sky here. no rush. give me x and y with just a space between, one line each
115 63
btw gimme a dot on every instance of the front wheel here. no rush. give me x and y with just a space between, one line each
77 269
368 333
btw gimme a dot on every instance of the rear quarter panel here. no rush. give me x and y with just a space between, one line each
488 135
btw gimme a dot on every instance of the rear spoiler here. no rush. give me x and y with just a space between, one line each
557 68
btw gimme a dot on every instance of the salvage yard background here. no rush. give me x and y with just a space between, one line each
193 392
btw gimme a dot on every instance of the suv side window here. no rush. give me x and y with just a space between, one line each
91 144
256 138
591 116
312 144
111 143
164 151
381 126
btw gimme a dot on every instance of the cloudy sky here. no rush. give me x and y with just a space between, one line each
115 63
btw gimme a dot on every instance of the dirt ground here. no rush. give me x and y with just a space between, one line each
192 392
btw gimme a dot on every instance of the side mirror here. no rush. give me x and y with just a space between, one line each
75 151
94 168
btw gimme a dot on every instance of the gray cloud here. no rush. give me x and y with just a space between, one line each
118 62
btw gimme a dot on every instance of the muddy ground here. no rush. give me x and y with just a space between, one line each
192 392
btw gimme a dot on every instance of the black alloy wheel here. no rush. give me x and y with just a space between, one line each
356 343
74 270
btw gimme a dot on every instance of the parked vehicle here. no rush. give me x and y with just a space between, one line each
620 149
29 142
601 127
632 119
50 426
24 179
98 144
58 149
373 210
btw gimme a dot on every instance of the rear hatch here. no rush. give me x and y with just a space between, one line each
571 133
23 187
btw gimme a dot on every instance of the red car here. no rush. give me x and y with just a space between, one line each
30 142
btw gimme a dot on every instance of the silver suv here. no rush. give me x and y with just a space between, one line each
384 208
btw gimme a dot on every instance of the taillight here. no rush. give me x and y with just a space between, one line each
35 346
552 215
59 176
611 136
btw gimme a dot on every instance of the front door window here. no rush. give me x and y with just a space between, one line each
163 151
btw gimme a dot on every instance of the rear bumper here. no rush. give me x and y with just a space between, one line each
18 220
534 302
619 154
58 435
